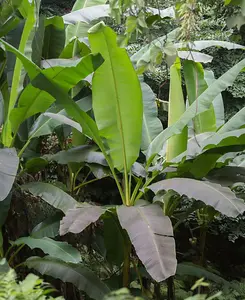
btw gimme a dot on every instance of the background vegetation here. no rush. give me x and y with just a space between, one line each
122 149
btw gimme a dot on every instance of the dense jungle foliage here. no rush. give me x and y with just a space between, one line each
122 149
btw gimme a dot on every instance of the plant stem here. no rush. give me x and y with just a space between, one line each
85 183
136 189
71 175
203 236
127 191
24 147
171 291
8 251
15 253
110 164
126 265
144 186
19 265
139 276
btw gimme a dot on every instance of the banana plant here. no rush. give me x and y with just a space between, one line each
119 139
118 115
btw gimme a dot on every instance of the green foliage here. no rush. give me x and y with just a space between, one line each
51 81
30 288
122 294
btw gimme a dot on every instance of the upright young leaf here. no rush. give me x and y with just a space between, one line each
84 153
151 233
204 101
45 125
195 86
177 143
44 81
18 78
117 99
204 44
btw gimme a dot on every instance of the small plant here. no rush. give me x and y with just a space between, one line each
31 288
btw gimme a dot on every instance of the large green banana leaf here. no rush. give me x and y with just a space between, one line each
117 98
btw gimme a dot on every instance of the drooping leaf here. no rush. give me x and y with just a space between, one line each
197 57
35 164
31 102
69 75
79 154
184 269
77 274
151 234
45 125
59 250
204 101
230 138
51 194
48 228
9 163
221 198
118 110
227 175
151 124
195 86
87 14
77 219
204 44
64 120
44 81
88 125
177 143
